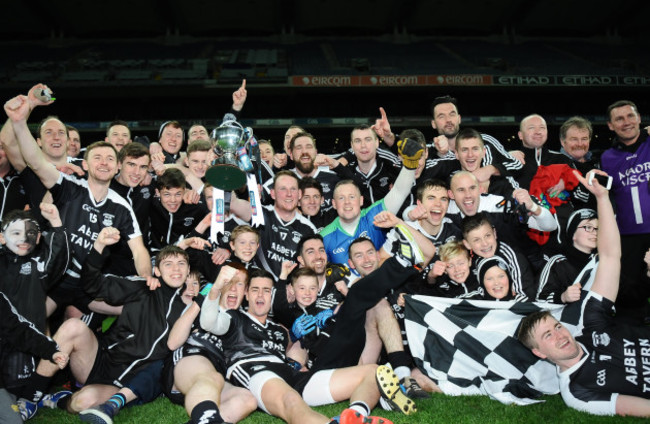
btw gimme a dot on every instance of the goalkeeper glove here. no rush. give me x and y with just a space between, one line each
410 151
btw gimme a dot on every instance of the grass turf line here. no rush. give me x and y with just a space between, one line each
439 408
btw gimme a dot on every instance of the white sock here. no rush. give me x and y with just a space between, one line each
361 407
402 372
384 404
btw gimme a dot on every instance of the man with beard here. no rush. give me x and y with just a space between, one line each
379 323
283 160
196 132
446 120
303 151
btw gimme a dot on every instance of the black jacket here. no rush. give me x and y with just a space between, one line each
18 333
140 333
560 272
168 228
27 279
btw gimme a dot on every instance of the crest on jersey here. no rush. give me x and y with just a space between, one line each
600 339
107 220
26 268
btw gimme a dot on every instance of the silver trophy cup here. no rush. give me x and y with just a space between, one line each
226 173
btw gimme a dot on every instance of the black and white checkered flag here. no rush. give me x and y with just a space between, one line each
469 347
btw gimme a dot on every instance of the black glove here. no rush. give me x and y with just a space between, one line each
336 272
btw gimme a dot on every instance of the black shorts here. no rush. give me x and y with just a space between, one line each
241 372
75 296
107 371
215 356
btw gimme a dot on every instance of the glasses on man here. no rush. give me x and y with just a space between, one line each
589 228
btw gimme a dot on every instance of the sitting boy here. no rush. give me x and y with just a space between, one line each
147 383
138 336
19 334
30 268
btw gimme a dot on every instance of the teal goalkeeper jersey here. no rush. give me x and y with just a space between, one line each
337 240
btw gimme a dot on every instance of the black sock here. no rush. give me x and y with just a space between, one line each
64 402
206 412
35 388
399 359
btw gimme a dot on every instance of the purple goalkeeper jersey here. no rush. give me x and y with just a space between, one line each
630 171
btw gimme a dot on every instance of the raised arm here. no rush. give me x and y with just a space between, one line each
113 289
606 281
400 191
410 151
7 135
10 146
239 97
17 110
241 208
213 318
540 218
382 128
141 256
183 326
